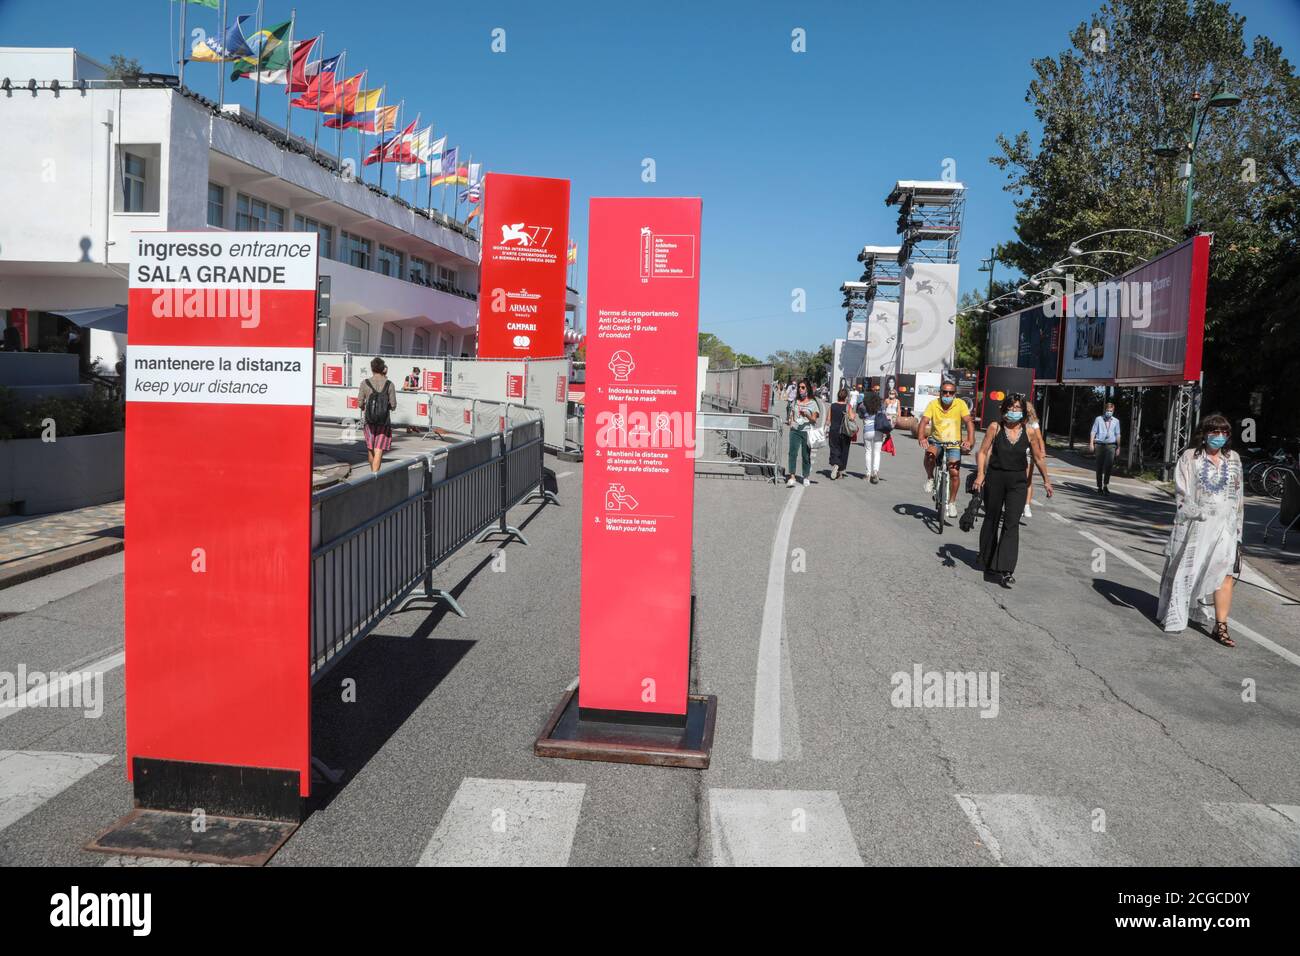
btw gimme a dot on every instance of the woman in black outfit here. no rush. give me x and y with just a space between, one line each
835 437
1001 473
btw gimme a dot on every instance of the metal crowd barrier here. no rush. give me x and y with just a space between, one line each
752 442
375 540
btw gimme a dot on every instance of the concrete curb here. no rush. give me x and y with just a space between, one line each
40 565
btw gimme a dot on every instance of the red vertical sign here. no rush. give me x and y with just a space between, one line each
638 490
219 381
521 276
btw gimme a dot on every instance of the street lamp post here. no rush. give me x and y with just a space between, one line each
1220 100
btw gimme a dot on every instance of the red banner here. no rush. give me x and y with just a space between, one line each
521 277
638 491
218 573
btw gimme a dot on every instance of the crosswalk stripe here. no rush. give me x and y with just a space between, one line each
780 828
28 778
1271 830
1024 830
507 823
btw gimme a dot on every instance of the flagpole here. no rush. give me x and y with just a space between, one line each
428 170
469 168
288 80
338 139
180 52
382 149
315 135
221 63
257 95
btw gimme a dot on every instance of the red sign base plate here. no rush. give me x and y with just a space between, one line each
567 735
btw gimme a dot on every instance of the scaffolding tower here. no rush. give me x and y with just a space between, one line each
929 219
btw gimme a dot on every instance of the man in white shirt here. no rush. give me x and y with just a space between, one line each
1103 441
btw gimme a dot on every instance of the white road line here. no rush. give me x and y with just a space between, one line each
29 778
507 823
1272 831
1059 518
1236 626
766 741
1023 830
65 687
780 828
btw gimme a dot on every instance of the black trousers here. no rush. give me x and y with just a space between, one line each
839 446
1105 461
1004 502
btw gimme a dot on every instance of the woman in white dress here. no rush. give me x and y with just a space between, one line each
1204 544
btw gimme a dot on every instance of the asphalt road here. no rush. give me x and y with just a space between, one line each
1112 743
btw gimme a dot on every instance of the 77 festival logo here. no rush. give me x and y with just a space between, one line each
522 234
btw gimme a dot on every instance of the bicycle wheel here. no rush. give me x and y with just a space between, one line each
1254 477
1274 481
941 493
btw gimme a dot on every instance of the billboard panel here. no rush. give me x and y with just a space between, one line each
1162 344
1039 343
929 308
882 335
521 280
999 382
1004 340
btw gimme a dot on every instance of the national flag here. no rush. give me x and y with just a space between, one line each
423 149
395 149
327 95
362 114
270 61
233 46
301 71
573 251
457 177
210 4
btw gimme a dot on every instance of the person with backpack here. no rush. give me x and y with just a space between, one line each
377 398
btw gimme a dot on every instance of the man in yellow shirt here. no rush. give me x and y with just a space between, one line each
944 421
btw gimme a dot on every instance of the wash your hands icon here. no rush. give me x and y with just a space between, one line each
617 499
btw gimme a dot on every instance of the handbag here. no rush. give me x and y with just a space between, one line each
849 426
816 437
888 446
883 424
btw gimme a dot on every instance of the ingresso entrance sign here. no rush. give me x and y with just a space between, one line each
219 384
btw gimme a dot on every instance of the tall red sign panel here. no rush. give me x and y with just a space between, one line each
521 277
219 376
638 491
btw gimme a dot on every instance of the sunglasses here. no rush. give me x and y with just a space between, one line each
1219 431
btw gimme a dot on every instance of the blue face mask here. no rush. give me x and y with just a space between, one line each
1217 441
1015 416
947 399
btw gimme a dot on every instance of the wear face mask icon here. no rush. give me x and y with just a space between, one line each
621 364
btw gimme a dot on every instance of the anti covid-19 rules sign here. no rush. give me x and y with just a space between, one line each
638 489
219 370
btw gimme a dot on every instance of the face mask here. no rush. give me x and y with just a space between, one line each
1015 416
947 399
1217 441
1106 415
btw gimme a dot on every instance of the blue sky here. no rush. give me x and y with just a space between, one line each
792 153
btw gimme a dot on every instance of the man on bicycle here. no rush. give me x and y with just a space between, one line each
943 422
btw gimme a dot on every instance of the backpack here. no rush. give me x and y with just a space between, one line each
377 407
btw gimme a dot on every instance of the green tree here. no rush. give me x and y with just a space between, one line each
125 69
1105 106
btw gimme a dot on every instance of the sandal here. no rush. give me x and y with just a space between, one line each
1220 634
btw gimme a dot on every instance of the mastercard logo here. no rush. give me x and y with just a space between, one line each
997 396
904 389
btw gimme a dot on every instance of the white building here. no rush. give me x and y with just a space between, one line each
85 162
